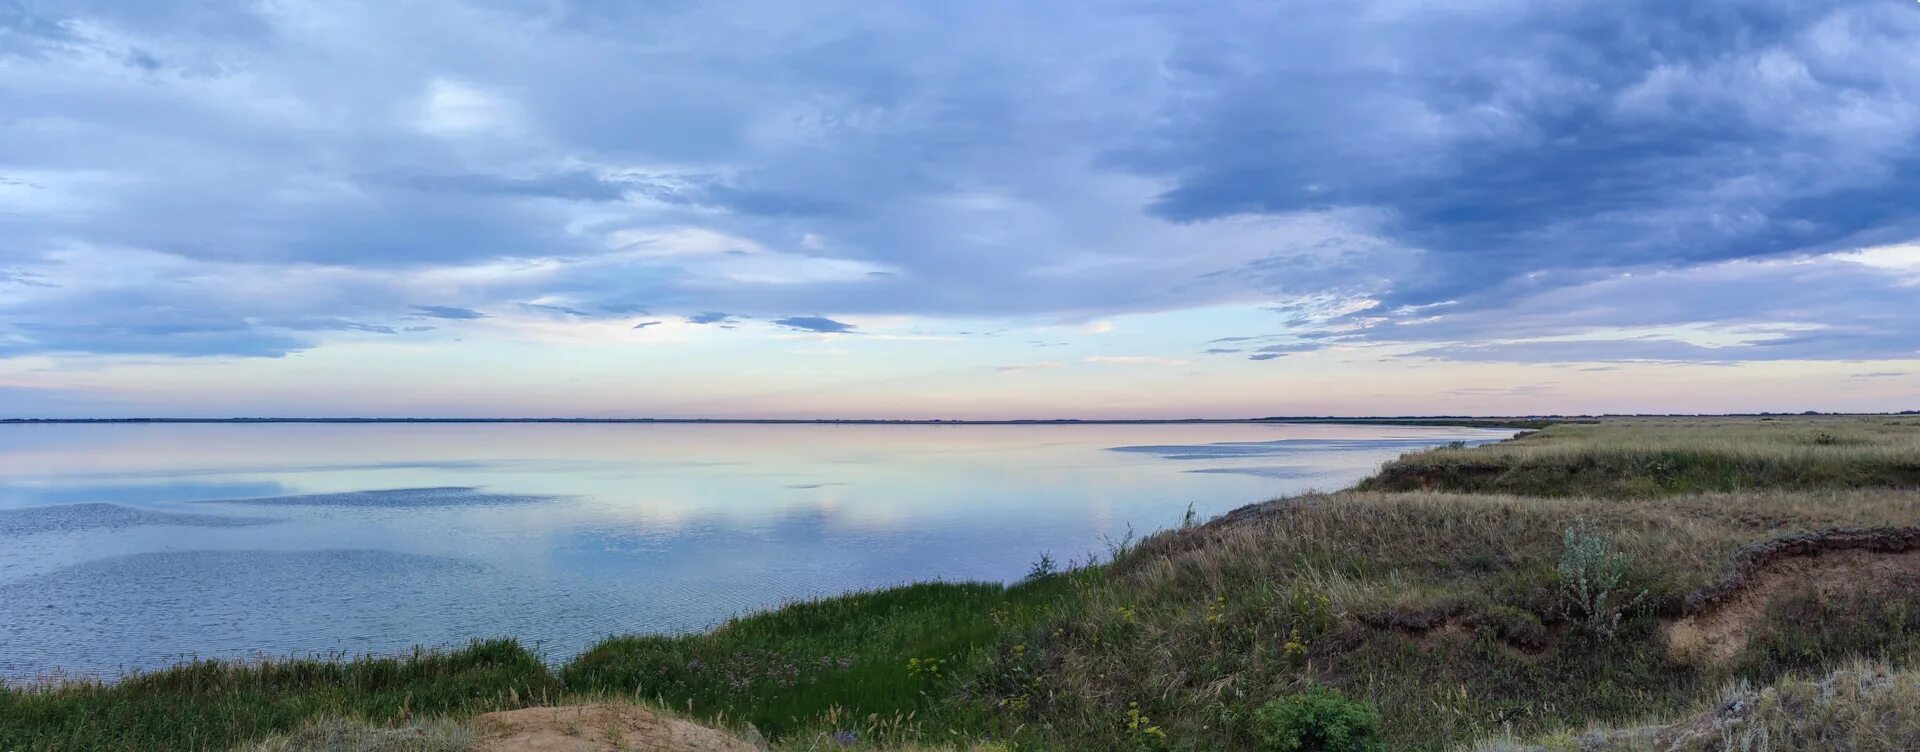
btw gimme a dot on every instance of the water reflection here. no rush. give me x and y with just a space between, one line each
126 546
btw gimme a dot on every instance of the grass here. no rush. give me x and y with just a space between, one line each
338 735
216 705
1862 705
886 654
1442 610
1447 612
1670 456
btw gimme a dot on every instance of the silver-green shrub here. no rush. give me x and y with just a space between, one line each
1593 580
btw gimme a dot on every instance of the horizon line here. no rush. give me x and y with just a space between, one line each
937 421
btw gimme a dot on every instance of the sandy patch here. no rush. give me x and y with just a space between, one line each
1720 630
596 728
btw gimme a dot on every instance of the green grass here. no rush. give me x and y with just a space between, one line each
1446 612
215 705
888 653
1645 457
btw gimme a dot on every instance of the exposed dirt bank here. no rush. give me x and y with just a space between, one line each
1721 617
596 728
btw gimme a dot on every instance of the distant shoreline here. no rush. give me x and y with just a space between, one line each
1463 421
1537 421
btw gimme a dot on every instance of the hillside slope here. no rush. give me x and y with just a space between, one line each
1600 576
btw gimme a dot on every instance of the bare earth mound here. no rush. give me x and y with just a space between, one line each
596 728
1721 618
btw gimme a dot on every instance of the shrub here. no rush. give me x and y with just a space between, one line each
1043 567
1593 580
1317 720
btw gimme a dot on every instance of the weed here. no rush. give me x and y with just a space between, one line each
1593 579
1043 567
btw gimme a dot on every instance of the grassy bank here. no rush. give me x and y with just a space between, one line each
1645 457
1524 602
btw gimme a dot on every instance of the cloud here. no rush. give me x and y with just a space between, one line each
645 324
1269 352
1470 181
574 185
1828 307
814 324
182 339
1507 139
24 279
1525 390
447 312
1030 366
1881 375
322 325
557 310
1133 360
710 317
455 108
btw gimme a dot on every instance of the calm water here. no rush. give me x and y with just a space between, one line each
131 546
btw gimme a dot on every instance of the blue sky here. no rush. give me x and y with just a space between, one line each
543 207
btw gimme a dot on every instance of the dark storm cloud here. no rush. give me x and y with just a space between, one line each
1535 137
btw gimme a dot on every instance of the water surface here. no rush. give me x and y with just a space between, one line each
128 546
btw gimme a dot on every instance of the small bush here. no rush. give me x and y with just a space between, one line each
1593 580
1317 720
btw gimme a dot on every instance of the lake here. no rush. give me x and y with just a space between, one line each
132 546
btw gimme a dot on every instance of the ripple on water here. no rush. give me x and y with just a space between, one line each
63 518
144 610
1278 472
397 498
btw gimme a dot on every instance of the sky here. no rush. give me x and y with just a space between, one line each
591 208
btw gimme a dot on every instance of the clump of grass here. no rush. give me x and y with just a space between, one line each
340 735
